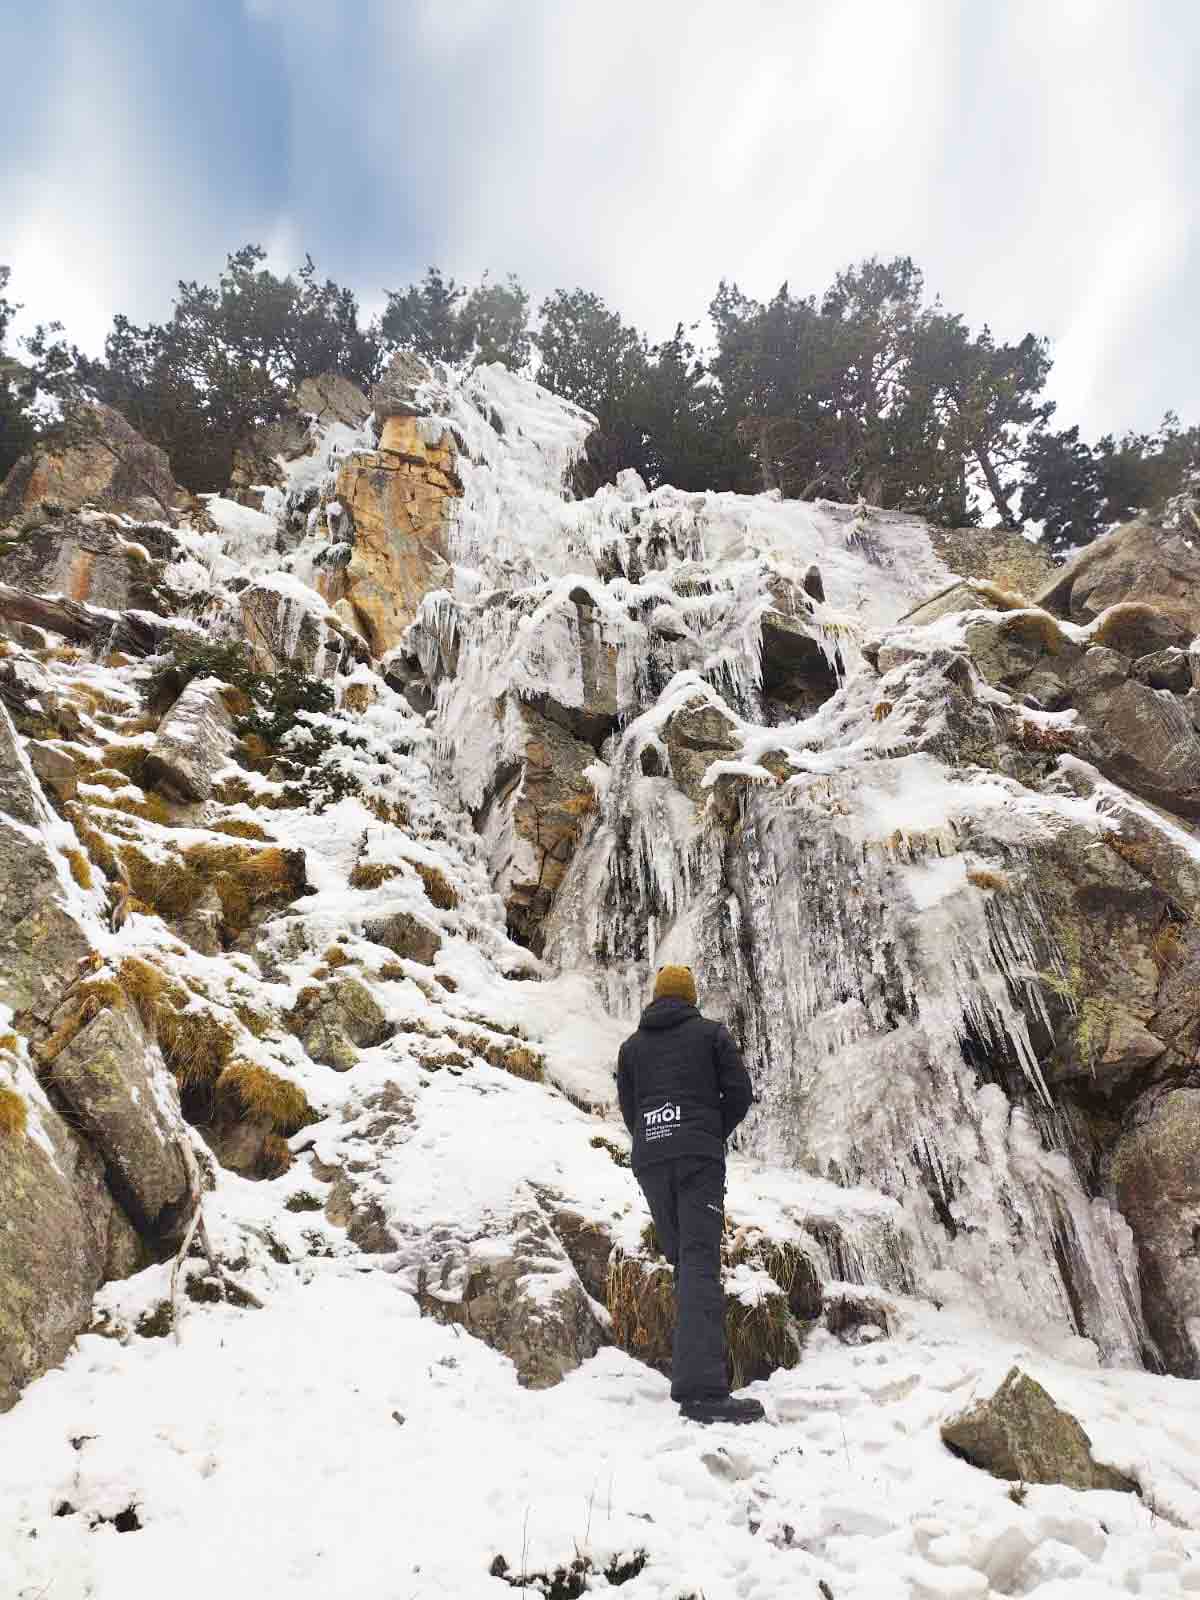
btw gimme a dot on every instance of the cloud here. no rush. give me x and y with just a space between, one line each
1037 160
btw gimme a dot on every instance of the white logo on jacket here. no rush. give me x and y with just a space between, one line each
662 1121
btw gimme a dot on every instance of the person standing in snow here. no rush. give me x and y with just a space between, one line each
683 1090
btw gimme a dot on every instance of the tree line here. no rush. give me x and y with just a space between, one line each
870 389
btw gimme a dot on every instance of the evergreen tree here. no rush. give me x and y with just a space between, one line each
443 321
228 360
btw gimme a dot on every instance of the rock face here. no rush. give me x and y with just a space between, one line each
63 1236
259 461
1140 561
532 820
107 1078
283 630
996 556
1020 1434
193 742
395 505
1156 1166
41 946
102 462
90 558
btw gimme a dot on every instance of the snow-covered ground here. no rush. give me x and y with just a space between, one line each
336 1444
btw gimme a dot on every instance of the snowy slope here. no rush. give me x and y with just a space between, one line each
335 1442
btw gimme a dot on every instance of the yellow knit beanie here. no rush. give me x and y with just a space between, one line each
675 983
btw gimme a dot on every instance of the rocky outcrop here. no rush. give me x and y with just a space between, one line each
1156 1168
283 628
1020 1434
260 460
395 506
1141 561
193 742
63 1235
97 460
90 557
694 736
41 945
521 1295
799 673
533 818
994 555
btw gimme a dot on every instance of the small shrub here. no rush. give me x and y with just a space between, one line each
302 1200
252 1091
231 663
14 1115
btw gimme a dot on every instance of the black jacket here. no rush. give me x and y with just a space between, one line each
681 1083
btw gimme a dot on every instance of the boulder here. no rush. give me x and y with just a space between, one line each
520 1294
90 558
62 1237
330 398
697 734
54 767
193 742
113 1079
1020 1434
1156 1171
98 460
405 936
1139 561
331 1020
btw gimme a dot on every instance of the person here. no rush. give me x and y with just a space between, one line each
683 1090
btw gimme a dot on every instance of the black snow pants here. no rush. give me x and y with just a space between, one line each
687 1201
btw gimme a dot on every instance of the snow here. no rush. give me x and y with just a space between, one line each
336 1443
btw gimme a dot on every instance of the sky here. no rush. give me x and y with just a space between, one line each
1039 159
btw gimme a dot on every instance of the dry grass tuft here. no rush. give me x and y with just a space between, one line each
999 598
93 841
9 1044
14 1115
249 1090
276 1158
1138 855
1037 630
236 828
881 711
335 956
89 1000
436 887
150 808
1166 946
391 972
393 811
759 1337
81 868
1040 740
256 1023
237 702
641 1303
370 874
1122 627
984 878
619 1156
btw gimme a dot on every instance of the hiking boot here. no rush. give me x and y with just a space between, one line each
727 1410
